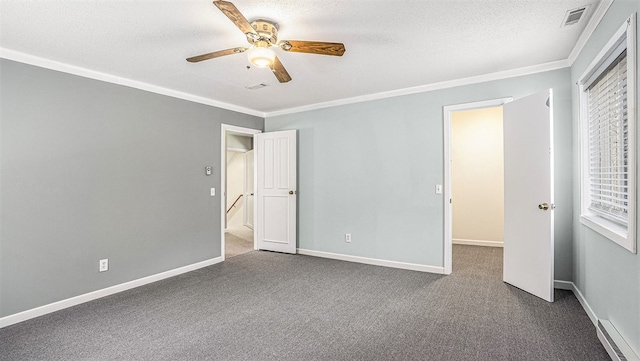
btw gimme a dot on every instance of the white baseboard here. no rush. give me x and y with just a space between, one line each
59 305
477 242
563 285
373 261
566 285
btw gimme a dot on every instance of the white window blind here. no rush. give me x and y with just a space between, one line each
608 203
609 142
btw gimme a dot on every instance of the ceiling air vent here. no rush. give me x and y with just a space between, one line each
574 16
257 86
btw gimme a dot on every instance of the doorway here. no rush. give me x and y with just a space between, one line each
466 219
477 160
477 177
237 182
528 190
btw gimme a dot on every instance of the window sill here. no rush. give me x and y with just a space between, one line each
613 231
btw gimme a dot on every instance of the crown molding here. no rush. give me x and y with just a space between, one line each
96 75
595 19
428 87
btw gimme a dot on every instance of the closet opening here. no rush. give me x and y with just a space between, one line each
473 179
477 202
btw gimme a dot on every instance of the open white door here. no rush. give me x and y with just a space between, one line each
528 194
276 191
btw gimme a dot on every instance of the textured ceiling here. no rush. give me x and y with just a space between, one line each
391 45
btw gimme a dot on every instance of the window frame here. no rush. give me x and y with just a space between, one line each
624 236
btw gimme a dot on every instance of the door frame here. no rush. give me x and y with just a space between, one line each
448 110
232 129
246 189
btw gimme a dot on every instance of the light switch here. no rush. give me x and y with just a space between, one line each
213 192
438 188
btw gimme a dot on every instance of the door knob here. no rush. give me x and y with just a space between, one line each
545 206
291 192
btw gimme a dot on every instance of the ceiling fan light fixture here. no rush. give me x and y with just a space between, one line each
262 35
260 55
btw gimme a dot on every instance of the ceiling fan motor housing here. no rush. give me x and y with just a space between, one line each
267 31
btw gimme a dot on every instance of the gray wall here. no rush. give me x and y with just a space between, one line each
607 275
370 169
93 170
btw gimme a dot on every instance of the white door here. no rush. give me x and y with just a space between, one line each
276 191
528 194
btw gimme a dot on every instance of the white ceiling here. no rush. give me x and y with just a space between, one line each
391 45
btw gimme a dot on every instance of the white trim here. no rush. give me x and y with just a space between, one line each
447 159
372 261
73 301
245 186
534 69
610 230
624 236
477 242
615 38
570 286
108 78
596 18
92 74
224 129
563 285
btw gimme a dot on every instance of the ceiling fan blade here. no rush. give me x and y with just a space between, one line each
313 47
279 71
232 12
216 54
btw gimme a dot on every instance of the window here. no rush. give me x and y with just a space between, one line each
608 151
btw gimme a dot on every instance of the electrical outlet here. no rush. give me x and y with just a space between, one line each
104 265
347 237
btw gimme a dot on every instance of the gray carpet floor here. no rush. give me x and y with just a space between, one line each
238 240
270 306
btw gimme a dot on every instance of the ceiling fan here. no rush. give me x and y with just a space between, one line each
262 35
